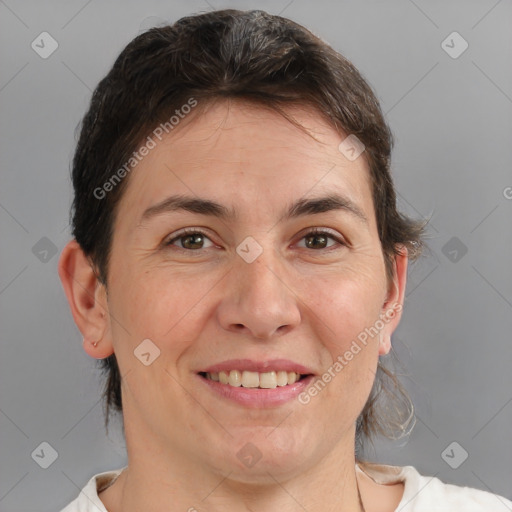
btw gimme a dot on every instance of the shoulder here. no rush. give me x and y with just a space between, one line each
429 494
88 500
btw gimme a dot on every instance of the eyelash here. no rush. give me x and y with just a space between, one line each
195 231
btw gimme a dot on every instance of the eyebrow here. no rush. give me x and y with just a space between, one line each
302 207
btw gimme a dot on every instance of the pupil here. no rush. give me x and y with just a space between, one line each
196 239
317 237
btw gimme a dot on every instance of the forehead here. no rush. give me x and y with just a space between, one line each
243 155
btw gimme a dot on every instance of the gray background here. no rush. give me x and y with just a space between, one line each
452 121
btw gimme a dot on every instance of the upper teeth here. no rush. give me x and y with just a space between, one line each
247 379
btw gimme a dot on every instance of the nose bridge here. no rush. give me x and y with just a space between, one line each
260 279
258 297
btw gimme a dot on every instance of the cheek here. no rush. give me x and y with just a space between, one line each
169 312
346 305
164 308
346 309
350 354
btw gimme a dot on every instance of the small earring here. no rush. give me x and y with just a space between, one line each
94 343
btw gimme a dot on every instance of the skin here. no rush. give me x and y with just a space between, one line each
201 307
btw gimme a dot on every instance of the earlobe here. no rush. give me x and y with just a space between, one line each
87 300
384 344
97 349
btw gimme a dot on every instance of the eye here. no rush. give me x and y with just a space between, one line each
190 239
193 239
319 238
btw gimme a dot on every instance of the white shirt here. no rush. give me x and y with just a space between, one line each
421 493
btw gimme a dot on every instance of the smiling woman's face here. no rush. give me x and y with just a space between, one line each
209 298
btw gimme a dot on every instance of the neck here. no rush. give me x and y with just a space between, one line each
157 480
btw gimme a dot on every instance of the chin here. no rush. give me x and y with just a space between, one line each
258 454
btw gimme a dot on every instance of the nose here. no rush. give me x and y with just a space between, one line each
259 300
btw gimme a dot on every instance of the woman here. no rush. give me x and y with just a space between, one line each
239 265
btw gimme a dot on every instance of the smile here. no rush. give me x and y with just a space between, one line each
248 379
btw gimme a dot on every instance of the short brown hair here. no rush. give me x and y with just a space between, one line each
256 57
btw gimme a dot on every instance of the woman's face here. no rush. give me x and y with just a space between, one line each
247 289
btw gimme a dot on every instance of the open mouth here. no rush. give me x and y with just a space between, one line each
255 380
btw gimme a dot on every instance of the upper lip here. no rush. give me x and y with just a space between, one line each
272 365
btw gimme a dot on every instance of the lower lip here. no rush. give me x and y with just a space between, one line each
257 397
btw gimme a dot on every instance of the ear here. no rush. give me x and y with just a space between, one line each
391 312
87 298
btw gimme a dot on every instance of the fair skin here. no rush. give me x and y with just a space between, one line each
201 304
